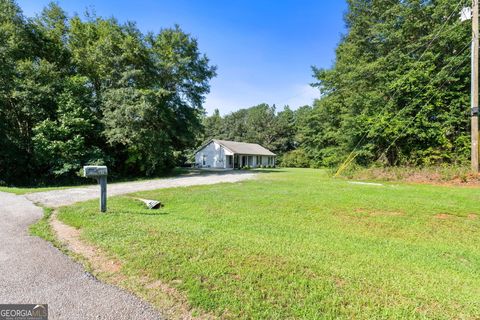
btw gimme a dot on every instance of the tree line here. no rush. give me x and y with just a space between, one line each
397 93
88 90
277 131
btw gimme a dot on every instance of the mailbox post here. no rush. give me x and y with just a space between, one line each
103 193
99 173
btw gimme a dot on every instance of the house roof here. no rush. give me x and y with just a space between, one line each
244 148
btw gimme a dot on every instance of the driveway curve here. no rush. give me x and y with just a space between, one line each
33 271
57 198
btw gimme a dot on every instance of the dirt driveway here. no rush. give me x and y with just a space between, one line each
33 271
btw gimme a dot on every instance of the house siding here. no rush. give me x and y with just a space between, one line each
214 156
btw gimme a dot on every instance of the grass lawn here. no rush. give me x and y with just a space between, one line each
298 244
20 191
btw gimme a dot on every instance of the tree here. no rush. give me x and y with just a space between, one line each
286 129
63 145
259 124
213 127
76 91
398 87
29 81
295 159
162 115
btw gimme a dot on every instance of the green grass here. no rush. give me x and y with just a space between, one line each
20 191
299 244
42 227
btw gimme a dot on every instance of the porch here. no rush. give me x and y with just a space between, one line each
238 161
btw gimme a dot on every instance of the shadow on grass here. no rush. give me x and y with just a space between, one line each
235 171
267 170
152 213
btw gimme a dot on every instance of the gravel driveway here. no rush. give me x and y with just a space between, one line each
58 198
33 271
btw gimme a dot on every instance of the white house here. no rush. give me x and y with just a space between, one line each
221 154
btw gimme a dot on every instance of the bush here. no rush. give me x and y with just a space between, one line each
295 159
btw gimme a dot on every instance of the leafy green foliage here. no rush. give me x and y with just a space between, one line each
295 159
398 90
77 91
259 124
64 144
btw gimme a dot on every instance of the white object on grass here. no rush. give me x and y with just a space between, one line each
366 183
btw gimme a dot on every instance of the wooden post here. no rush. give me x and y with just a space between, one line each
474 88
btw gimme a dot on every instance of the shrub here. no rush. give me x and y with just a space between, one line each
296 159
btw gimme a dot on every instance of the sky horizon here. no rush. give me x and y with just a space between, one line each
263 50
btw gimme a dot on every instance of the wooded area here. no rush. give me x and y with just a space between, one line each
88 90
397 94
399 89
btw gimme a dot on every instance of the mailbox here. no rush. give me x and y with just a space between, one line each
94 171
99 173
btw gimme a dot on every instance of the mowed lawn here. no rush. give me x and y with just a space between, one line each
298 244
21 191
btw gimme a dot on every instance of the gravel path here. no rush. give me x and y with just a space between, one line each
58 198
33 271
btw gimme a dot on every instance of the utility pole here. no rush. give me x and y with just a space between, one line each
474 88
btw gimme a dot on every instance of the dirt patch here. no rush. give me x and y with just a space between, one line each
174 303
444 176
339 282
378 213
443 216
361 210
171 302
467 180
386 213
472 216
71 238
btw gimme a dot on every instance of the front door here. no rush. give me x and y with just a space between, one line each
229 161
235 161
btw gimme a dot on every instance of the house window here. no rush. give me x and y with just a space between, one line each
204 160
259 160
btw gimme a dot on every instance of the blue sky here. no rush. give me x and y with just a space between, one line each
264 49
